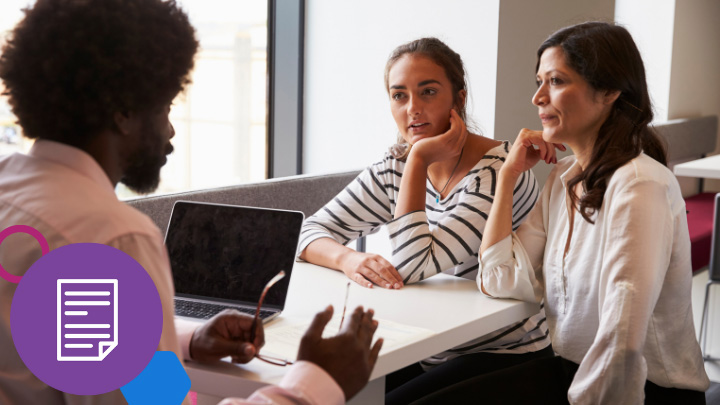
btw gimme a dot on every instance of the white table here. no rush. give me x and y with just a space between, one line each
451 307
708 168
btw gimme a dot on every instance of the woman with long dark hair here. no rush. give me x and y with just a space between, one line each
606 245
433 192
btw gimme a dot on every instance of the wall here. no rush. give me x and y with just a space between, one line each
695 73
347 114
523 26
652 25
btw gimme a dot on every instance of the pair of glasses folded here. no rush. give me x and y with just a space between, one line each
274 360
268 359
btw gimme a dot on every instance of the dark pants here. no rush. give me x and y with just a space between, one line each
412 383
543 381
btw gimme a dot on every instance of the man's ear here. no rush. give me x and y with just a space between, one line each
609 96
123 122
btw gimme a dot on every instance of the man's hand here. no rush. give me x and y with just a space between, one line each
347 357
226 334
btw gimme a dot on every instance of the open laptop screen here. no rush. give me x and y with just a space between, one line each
228 253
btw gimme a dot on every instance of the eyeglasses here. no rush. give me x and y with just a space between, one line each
268 359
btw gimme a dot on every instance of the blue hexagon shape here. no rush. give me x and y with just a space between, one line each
163 381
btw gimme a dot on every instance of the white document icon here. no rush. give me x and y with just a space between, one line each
87 319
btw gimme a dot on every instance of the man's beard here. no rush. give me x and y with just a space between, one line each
143 176
143 172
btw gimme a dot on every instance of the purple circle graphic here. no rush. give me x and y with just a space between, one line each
24 229
86 318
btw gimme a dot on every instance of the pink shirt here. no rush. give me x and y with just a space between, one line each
64 193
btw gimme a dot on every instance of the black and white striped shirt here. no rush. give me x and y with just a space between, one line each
445 237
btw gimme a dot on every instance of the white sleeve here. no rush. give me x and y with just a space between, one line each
512 268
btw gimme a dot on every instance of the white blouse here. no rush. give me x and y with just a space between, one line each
618 303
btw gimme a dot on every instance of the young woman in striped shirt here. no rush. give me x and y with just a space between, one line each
433 191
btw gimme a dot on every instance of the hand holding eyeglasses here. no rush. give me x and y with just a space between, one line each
227 334
348 357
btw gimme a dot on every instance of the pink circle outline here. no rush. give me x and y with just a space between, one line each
21 229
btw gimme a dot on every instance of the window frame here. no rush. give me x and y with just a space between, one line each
285 60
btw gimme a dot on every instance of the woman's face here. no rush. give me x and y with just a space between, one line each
421 97
571 111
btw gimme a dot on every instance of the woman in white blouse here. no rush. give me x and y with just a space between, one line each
606 246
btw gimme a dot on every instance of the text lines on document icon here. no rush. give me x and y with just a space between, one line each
87 319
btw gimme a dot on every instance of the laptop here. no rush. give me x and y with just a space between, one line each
223 255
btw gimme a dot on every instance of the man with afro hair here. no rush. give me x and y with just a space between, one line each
92 81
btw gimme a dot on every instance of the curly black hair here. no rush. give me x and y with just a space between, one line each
70 65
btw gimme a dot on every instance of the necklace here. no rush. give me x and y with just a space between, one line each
437 198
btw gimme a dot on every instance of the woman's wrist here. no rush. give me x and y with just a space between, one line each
508 175
415 159
343 258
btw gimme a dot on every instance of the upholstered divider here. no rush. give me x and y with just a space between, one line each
689 138
306 193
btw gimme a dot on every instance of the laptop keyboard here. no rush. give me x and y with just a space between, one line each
204 310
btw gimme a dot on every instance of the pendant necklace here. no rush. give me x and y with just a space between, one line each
437 198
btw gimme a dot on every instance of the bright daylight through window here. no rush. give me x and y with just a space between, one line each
220 119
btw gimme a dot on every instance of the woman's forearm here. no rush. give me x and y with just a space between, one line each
363 268
412 187
499 222
326 252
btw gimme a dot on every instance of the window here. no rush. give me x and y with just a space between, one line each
221 119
